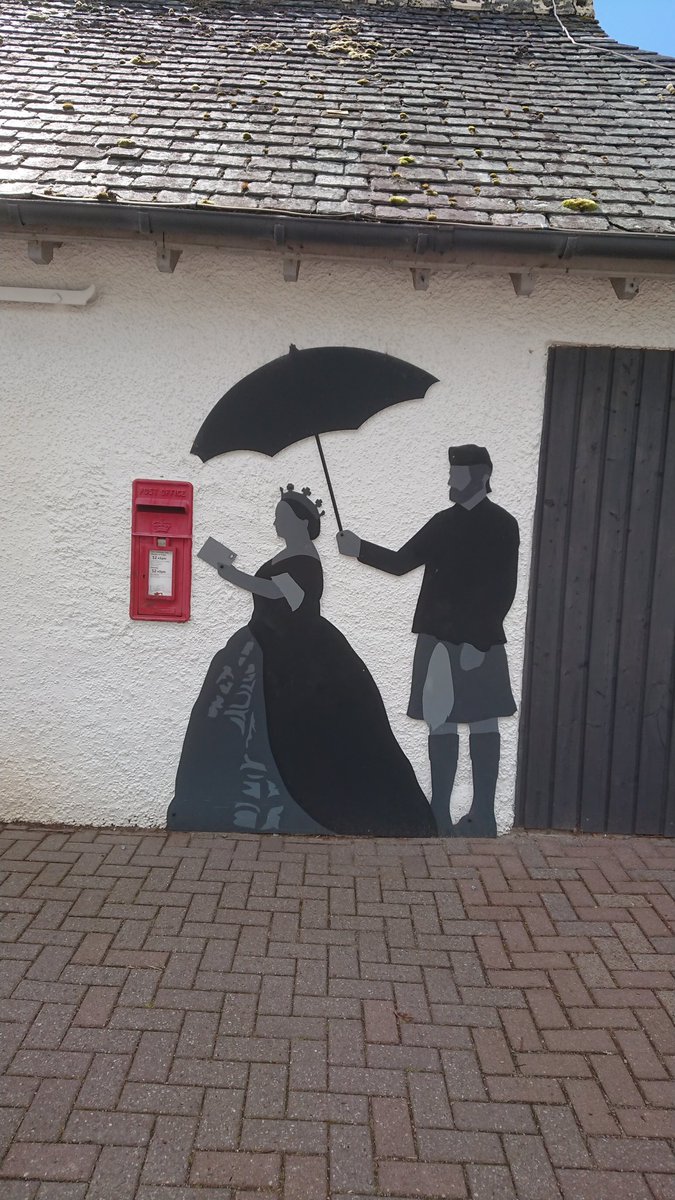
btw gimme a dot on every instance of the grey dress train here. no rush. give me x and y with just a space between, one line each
291 731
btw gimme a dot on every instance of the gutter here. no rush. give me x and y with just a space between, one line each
292 234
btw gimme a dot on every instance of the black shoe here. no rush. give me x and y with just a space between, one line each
478 825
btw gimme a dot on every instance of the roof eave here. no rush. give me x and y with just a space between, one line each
290 232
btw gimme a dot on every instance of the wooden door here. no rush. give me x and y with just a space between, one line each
597 751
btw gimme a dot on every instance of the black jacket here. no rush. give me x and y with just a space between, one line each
470 559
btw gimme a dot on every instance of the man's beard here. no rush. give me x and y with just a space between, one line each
460 495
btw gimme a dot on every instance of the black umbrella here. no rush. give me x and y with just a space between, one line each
306 393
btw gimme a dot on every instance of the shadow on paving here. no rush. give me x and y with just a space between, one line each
216 1017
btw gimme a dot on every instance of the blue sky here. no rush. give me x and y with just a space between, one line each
649 24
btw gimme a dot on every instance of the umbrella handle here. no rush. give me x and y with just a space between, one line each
324 464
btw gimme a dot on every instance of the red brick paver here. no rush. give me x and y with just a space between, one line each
214 1017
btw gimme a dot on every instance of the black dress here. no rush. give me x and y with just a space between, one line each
311 720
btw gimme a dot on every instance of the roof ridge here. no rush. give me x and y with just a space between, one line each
539 8
542 8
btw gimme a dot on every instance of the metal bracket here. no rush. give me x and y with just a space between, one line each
167 259
523 282
571 244
420 278
625 288
13 213
279 235
41 252
291 270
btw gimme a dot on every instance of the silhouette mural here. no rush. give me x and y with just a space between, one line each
289 732
460 672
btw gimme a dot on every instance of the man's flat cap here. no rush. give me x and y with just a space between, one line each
469 456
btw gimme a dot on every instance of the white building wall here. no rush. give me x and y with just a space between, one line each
93 706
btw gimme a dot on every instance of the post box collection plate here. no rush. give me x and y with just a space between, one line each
160 574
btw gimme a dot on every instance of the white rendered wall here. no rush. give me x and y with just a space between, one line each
93 706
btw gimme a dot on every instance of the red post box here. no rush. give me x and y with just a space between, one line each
161 550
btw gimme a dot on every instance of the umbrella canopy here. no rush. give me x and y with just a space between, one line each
305 393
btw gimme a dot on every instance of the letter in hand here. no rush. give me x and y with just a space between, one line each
348 543
216 555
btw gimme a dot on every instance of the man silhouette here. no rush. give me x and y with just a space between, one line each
460 671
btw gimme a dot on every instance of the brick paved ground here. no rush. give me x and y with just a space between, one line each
220 1018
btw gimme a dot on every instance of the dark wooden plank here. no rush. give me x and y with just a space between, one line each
637 592
578 599
656 787
546 596
607 601
669 812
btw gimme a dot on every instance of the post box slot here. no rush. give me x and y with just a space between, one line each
161 508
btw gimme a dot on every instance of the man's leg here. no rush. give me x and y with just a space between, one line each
484 747
443 755
438 697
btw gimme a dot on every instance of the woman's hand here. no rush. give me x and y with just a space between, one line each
227 570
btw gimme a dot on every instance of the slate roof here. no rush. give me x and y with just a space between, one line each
486 115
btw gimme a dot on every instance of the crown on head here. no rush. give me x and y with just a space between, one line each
304 496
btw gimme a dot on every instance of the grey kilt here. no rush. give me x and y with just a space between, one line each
480 694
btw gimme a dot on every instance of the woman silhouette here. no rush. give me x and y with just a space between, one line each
289 732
